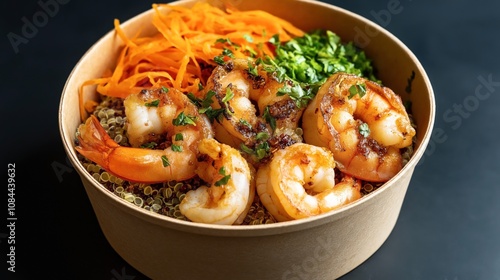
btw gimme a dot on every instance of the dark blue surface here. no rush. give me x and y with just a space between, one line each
448 228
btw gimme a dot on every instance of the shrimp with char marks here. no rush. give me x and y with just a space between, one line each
364 124
234 88
231 191
299 182
149 113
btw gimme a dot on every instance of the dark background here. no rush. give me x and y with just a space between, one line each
448 228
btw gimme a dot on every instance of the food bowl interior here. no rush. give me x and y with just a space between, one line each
397 67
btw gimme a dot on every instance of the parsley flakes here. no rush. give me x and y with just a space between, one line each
182 119
224 180
359 89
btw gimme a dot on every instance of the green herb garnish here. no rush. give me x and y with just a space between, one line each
252 70
224 180
244 123
304 63
219 60
165 161
176 148
182 119
261 150
364 130
149 145
262 136
153 103
269 119
178 137
246 149
359 89
229 95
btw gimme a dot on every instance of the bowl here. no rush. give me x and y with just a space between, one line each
322 247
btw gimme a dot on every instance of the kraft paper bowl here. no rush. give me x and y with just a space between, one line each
322 247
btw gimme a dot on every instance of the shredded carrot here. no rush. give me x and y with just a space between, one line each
188 39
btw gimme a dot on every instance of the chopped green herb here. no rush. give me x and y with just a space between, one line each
222 171
297 93
178 137
165 89
252 52
245 123
153 103
213 114
149 145
224 180
262 150
182 119
271 67
200 86
229 95
176 148
252 70
359 89
262 136
207 101
246 149
275 40
269 119
227 52
165 161
307 61
195 100
225 41
219 60
364 130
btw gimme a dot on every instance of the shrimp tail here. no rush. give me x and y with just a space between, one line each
94 142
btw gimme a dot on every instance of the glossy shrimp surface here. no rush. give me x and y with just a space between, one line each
237 87
230 194
364 124
177 119
151 116
299 182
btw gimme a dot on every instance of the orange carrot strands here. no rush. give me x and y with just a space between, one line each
188 40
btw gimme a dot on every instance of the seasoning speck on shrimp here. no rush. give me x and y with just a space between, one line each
228 198
364 124
299 182
173 115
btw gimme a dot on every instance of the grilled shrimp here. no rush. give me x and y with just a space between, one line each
149 113
299 182
236 86
364 124
228 198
